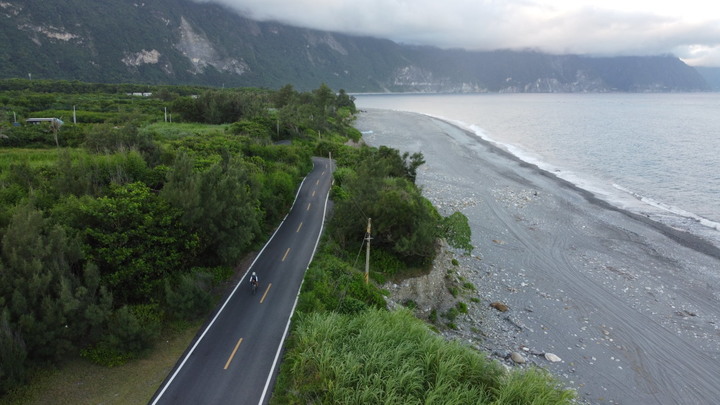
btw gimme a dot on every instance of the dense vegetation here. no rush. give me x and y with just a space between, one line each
123 224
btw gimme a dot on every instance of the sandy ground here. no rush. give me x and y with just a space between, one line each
631 307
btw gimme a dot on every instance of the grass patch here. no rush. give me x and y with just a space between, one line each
172 131
391 357
410 304
35 158
81 382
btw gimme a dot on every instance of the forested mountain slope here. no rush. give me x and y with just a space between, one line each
184 42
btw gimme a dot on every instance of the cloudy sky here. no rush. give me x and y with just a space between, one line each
689 29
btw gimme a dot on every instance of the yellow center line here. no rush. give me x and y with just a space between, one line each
286 253
309 205
323 173
317 182
233 354
313 194
266 292
300 226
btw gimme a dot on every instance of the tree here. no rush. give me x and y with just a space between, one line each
13 354
218 204
50 308
345 100
136 238
286 95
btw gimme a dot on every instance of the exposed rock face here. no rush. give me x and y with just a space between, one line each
200 51
141 58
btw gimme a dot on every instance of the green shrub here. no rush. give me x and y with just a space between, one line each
105 354
13 354
189 297
410 304
451 314
532 386
351 305
132 329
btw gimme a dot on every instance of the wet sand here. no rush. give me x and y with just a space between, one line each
630 306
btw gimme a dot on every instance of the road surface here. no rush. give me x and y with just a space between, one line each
234 360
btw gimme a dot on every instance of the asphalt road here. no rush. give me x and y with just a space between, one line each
234 359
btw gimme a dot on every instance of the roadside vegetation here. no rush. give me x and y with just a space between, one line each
345 346
120 228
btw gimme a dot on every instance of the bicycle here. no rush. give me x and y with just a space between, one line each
253 286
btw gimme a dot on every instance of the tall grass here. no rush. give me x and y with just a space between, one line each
35 158
166 131
378 356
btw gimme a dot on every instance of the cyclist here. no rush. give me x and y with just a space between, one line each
254 282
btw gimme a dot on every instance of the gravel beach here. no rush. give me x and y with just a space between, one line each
622 309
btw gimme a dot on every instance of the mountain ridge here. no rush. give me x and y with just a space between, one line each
184 42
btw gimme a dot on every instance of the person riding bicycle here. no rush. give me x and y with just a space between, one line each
254 280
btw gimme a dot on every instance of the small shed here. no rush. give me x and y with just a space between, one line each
56 121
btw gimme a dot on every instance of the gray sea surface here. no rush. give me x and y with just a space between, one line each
657 155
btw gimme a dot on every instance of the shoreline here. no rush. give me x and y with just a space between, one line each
681 236
629 305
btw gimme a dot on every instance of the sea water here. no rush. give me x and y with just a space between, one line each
653 154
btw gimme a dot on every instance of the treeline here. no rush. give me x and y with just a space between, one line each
112 231
66 87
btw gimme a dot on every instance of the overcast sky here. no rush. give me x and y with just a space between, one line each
689 29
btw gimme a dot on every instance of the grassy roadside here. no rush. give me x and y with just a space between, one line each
81 382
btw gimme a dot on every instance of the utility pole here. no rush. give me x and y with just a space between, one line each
367 254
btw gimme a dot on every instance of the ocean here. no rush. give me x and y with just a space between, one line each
656 155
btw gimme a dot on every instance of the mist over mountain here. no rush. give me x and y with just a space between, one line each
711 76
183 42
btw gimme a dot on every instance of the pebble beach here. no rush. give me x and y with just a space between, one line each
619 308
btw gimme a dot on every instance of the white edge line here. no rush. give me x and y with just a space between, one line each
287 326
197 342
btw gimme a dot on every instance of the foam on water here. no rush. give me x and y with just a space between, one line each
618 195
517 119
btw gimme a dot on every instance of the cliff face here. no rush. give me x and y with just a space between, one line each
183 42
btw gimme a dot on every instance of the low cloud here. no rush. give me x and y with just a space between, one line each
558 26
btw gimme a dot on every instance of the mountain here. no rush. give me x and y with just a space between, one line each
184 42
711 76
